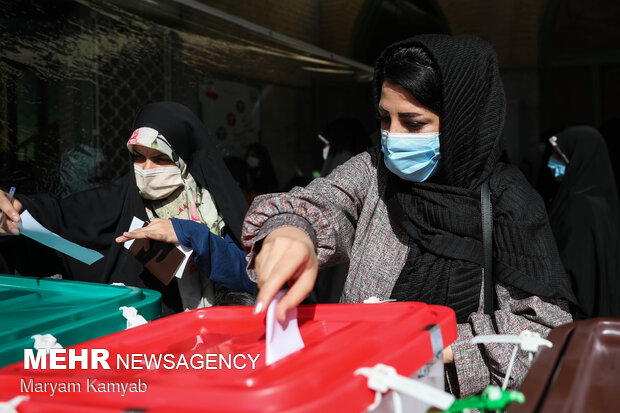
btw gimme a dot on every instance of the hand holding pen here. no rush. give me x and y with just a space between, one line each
11 208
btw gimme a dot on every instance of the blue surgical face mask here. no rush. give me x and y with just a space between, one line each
558 168
411 156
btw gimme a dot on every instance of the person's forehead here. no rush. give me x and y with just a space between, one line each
396 94
146 151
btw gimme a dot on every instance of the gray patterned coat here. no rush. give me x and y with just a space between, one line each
345 216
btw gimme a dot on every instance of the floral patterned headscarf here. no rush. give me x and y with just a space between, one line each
189 201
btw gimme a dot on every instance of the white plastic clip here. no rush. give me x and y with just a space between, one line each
119 284
10 406
528 341
376 300
133 318
45 342
56 277
531 341
382 378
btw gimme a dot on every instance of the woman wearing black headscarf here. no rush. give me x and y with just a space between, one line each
260 173
585 218
343 138
408 215
94 218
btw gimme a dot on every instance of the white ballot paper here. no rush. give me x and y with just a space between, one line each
138 223
281 339
31 228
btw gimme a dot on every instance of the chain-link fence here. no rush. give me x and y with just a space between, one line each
122 86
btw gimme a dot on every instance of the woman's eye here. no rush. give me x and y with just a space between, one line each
415 125
384 119
137 158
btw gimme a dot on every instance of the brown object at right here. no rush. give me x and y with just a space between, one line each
580 373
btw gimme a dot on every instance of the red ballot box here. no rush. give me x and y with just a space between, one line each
214 360
579 373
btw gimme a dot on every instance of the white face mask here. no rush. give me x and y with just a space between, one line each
325 152
157 183
252 161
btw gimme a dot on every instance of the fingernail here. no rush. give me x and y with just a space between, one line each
15 218
258 308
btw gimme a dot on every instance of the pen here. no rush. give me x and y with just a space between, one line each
11 194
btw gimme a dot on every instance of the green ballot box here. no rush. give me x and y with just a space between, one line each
71 311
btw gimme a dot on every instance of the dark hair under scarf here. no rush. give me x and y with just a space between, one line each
414 70
585 219
443 216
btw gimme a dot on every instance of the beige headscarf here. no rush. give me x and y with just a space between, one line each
189 201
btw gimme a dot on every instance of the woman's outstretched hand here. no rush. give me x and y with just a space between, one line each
158 230
287 256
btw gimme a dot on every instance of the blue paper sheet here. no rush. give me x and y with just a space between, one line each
31 228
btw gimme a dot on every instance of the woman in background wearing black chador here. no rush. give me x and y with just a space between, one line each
582 202
346 137
261 177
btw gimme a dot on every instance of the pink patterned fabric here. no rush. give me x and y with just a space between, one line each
189 202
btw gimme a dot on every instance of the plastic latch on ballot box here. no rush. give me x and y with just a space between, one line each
382 378
10 406
527 341
133 318
45 342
